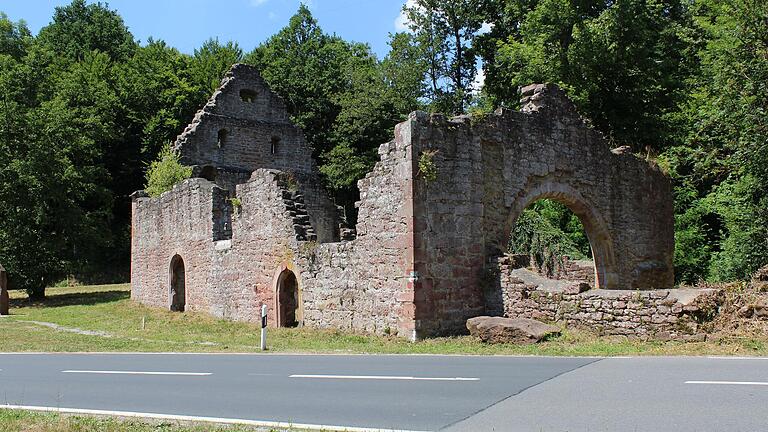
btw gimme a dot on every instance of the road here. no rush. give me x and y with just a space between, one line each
423 393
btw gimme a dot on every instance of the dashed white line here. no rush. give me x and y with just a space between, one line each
752 383
383 377
184 418
108 372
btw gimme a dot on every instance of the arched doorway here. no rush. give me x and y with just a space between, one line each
178 293
599 238
288 311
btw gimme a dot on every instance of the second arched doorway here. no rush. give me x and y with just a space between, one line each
178 284
288 300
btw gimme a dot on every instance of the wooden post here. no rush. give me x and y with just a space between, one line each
4 300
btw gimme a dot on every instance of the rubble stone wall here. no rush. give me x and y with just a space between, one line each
490 169
664 314
351 285
418 265
244 127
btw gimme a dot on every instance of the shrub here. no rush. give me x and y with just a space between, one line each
165 171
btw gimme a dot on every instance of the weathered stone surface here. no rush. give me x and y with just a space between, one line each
510 330
760 309
760 280
417 262
660 314
4 299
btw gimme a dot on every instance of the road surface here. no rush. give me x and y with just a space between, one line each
417 393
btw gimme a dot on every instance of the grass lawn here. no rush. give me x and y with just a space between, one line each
103 318
18 421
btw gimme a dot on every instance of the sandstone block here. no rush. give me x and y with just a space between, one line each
510 330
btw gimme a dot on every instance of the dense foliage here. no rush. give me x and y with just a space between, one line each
165 172
548 231
84 109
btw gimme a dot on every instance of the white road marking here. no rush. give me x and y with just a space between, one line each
383 377
107 372
736 358
184 418
754 383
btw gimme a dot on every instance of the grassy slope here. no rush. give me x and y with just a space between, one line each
108 308
18 421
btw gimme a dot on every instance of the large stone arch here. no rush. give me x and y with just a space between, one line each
598 232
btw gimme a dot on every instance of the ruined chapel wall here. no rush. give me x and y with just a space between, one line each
624 202
489 169
233 134
362 284
179 222
666 314
263 242
448 214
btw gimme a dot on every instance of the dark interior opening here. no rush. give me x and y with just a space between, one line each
247 95
178 285
221 138
288 299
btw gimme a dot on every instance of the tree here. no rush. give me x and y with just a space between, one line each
443 31
624 63
304 66
210 62
723 161
80 28
343 98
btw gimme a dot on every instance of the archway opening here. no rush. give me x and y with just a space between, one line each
287 299
178 285
595 228
555 240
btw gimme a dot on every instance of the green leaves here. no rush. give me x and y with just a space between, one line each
166 171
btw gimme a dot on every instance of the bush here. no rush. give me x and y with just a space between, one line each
165 172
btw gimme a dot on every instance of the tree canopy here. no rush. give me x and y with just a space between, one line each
85 109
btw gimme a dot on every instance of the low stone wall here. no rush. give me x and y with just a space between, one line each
660 314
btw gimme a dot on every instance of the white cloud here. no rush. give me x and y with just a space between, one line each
485 28
257 3
402 22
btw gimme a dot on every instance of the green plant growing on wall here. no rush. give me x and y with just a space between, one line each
291 182
237 205
427 167
165 171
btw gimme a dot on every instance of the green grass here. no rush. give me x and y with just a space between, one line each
108 308
18 421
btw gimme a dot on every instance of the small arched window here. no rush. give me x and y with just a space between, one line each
274 145
221 138
248 96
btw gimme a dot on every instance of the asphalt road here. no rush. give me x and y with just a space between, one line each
455 393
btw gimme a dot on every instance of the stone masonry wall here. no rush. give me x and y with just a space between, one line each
490 169
664 314
244 127
179 222
420 262
352 285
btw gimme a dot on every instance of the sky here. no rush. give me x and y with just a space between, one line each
186 24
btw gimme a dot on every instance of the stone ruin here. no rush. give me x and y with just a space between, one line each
254 225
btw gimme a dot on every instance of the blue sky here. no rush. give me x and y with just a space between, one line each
186 24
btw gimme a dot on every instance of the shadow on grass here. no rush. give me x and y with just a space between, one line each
73 299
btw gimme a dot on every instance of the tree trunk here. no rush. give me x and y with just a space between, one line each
36 294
